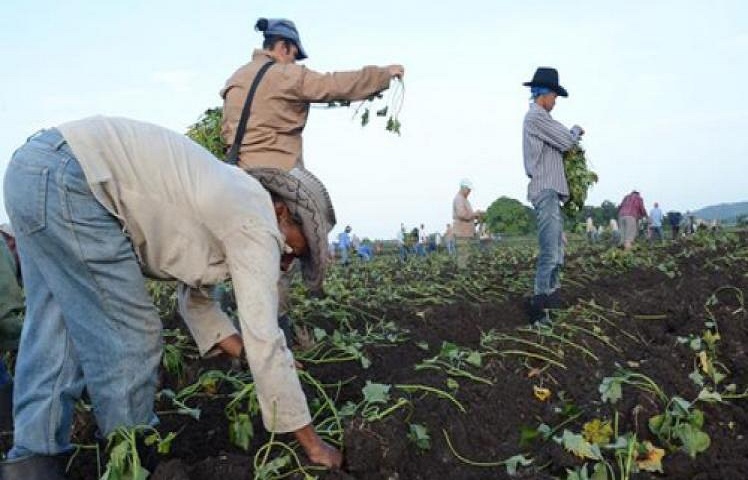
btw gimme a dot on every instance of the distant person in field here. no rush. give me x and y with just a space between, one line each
655 222
11 318
674 219
81 199
402 244
423 241
344 244
615 234
630 212
281 103
449 239
544 141
463 221
590 229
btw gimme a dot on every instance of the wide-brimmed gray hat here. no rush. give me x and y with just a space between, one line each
283 28
309 202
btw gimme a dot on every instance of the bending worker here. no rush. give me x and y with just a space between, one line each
94 202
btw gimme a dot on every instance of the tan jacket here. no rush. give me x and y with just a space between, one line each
199 221
281 106
463 217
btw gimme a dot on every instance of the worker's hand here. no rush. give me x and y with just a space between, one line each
231 346
397 71
316 449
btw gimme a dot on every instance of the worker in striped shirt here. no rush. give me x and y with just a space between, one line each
544 140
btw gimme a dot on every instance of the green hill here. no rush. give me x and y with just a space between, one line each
724 212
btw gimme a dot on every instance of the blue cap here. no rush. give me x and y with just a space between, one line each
281 27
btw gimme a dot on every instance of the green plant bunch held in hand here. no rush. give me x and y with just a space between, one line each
579 177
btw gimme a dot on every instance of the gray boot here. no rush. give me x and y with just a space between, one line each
34 467
6 407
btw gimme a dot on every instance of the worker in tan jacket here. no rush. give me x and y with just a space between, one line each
280 107
463 219
281 103
94 203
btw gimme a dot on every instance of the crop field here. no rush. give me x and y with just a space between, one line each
421 371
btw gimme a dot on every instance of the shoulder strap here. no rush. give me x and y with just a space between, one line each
233 156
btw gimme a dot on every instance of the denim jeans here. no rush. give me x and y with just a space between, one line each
550 230
89 320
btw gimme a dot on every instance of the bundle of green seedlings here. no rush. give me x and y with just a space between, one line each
579 177
388 108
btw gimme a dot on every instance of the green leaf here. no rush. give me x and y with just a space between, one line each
452 384
365 362
580 447
599 472
241 431
419 435
681 406
693 439
610 389
474 359
423 346
579 473
376 392
696 418
449 351
513 462
319 334
697 378
527 435
709 397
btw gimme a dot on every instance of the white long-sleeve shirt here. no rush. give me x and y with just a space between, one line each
197 220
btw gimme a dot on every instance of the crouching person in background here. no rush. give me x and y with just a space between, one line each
97 203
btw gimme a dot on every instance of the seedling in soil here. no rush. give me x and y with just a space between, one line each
681 426
240 411
511 464
180 406
453 360
124 460
419 435
177 348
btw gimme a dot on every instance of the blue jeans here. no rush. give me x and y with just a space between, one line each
344 256
89 320
550 230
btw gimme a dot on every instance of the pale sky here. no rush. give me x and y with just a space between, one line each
657 85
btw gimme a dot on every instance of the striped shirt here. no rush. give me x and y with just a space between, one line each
543 142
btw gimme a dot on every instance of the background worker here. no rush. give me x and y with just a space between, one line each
630 211
81 199
544 140
463 221
344 244
655 222
11 318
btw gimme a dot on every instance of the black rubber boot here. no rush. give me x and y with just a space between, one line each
554 300
6 408
537 310
34 467
286 324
